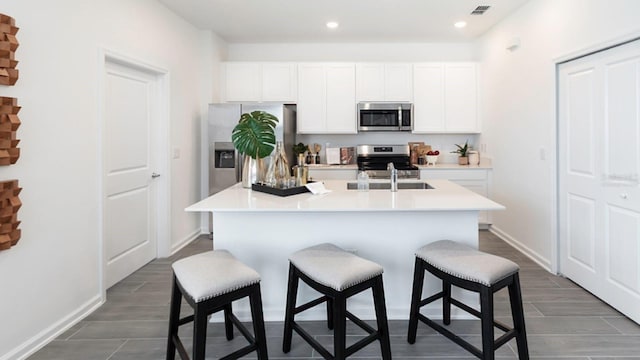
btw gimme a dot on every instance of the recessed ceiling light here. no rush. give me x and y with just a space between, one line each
332 24
460 24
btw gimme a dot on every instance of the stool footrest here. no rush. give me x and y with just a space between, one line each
363 325
310 304
312 341
243 330
431 299
185 320
180 347
451 336
373 336
240 352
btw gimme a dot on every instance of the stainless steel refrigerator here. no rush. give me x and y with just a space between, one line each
223 165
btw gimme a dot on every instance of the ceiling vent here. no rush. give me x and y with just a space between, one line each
481 9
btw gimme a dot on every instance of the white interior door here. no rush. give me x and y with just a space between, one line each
599 170
130 116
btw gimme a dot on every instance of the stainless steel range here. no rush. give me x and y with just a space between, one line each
374 160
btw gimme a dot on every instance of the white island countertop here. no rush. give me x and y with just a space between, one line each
445 196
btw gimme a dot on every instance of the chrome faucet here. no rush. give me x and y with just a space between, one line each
393 176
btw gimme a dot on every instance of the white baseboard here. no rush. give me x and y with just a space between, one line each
537 258
37 342
184 242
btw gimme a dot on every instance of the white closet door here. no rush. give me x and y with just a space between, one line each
599 169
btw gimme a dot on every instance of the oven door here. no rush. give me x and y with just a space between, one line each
385 117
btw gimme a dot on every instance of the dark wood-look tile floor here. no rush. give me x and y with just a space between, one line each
563 322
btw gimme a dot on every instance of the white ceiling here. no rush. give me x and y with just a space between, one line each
281 21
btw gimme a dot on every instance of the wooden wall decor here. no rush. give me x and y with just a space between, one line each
9 123
8 45
9 205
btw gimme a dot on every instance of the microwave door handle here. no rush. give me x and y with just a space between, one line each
399 117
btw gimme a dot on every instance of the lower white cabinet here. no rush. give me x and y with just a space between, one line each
476 180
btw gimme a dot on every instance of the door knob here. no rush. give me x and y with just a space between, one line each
154 175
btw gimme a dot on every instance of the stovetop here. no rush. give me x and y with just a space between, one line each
374 159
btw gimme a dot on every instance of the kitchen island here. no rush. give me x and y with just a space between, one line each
383 226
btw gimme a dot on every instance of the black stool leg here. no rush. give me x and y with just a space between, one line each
199 332
381 318
486 320
446 302
339 327
418 282
228 324
292 293
174 318
517 312
255 298
330 313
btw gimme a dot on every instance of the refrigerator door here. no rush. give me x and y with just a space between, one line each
223 166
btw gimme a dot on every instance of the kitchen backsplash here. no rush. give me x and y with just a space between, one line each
444 143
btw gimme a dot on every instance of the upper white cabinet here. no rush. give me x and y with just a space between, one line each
326 98
255 81
445 97
384 82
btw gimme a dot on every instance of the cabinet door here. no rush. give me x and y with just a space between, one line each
311 99
428 98
461 98
279 82
370 78
341 103
398 82
242 81
475 180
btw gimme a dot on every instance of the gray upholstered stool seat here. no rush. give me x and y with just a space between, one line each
334 267
213 273
467 263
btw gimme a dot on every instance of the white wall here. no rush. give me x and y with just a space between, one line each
519 120
52 276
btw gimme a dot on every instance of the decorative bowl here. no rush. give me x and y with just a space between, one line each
431 159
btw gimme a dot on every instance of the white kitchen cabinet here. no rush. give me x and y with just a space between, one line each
384 82
445 97
257 82
476 180
326 98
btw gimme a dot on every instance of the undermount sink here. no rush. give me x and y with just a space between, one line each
413 185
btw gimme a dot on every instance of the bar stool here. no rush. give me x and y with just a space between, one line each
473 270
337 275
210 282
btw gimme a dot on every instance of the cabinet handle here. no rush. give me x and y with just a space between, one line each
624 196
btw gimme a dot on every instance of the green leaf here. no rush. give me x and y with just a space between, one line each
254 135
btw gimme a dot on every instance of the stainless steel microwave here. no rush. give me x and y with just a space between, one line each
385 116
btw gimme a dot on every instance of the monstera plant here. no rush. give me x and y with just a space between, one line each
254 136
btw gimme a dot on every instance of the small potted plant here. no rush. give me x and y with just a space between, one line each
462 153
298 150
254 136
